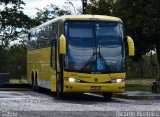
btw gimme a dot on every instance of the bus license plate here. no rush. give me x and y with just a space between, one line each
95 88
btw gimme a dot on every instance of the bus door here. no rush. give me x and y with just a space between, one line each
53 64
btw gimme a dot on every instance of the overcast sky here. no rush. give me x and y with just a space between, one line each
29 8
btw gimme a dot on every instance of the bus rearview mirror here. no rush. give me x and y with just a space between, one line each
62 44
131 49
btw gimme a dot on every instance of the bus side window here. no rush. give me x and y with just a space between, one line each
33 40
53 54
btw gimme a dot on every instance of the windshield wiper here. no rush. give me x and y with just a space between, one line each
92 60
97 62
101 62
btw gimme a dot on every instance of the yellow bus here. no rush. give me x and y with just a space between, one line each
79 53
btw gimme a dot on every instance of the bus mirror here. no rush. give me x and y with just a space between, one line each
130 46
62 44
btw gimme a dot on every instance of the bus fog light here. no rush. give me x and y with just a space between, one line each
117 80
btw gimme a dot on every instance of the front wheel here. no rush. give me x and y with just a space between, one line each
36 88
107 96
32 81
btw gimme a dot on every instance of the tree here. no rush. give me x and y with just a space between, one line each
13 22
70 7
49 12
100 7
17 60
142 20
3 59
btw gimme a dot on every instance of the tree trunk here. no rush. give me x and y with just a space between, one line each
158 53
158 58
141 68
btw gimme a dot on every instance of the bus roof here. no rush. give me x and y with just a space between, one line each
81 17
91 17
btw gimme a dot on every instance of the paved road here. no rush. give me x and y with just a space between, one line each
41 102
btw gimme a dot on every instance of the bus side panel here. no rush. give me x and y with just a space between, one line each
30 67
39 62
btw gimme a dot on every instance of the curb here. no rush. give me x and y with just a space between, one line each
15 89
124 96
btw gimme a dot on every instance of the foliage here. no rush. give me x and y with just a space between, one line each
17 59
3 59
142 20
100 7
21 80
13 21
49 12
70 7
139 84
146 67
13 60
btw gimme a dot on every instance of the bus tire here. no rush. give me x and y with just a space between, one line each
36 83
32 80
107 96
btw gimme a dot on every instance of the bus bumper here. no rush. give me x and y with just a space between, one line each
91 87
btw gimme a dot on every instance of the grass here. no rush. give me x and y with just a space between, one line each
18 81
139 84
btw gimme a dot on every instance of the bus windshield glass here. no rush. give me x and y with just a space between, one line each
94 46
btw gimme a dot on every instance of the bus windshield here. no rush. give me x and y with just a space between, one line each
94 46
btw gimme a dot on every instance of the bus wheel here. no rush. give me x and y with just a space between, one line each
32 81
36 83
107 96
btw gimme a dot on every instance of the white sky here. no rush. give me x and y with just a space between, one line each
29 8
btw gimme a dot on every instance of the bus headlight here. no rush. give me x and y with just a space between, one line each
117 80
72 80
